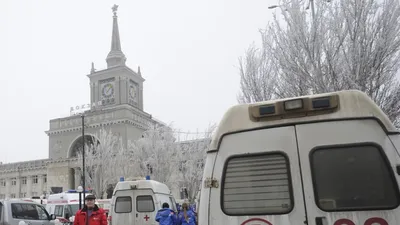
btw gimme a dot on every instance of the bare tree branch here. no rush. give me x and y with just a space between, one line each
345 44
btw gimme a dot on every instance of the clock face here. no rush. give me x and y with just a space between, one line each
108 90
132 92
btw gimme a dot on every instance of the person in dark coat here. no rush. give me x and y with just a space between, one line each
166 216
91 212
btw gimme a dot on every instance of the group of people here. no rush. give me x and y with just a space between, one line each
166 216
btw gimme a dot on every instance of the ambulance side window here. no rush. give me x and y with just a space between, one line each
123 204
58 210
144 203
357 177
257 184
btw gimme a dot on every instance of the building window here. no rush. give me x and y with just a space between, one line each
149 169
182 165
13 195
13 181
2 196
257 184
184 193
357 177
2 183
35 179
200 164
34 194
45 178
22 195
23 180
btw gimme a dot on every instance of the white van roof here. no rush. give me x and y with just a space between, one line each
156 186
63 198
352 104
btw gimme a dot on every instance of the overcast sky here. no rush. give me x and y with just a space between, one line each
188 52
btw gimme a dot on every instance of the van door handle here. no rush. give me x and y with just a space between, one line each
319 220
136 215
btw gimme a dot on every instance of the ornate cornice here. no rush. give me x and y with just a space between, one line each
97 125
23 169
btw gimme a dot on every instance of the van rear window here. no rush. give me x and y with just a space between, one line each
123 204
144 203
256 184
353 178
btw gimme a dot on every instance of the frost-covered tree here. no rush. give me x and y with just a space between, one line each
154 154
192 154
168 157
327 46
101 159
160 153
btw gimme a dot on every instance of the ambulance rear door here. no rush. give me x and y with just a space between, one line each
260 179
349 173
145 207
123 207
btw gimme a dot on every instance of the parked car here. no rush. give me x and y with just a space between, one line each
15 211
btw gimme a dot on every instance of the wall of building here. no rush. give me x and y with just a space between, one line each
23 179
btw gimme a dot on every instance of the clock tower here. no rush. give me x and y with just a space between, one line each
118 84
116 97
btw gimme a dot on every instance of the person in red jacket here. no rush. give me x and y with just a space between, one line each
91 212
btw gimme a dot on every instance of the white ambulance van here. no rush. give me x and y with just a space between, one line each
329 159
64 205
137 202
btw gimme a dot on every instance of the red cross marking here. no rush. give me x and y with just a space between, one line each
146 218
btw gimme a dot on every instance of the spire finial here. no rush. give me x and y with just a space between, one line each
115 9
93 69
116 57
138 71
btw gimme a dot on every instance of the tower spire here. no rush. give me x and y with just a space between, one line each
92 70
116 57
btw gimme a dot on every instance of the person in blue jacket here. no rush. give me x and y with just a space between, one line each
166 216
186 216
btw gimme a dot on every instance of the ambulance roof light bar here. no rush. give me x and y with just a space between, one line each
295 107
293 104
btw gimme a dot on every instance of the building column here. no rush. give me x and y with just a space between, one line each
28 186
45 186
18 187
78 177
40 185
8 187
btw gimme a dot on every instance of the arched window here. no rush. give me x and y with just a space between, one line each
76 148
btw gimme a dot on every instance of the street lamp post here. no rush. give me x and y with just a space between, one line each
79 190
83 155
